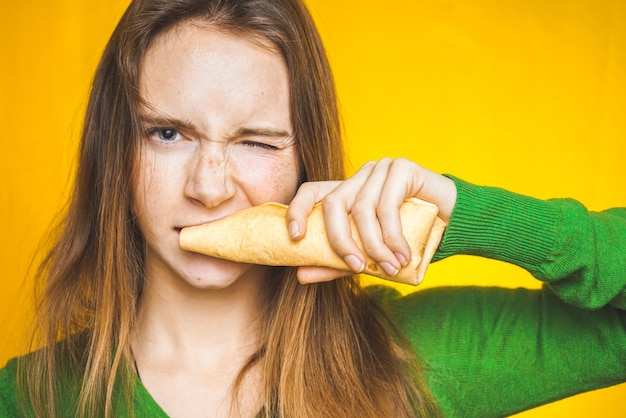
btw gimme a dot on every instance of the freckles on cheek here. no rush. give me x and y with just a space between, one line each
148 182
279 183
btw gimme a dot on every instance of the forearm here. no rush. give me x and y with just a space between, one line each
581 254
492 352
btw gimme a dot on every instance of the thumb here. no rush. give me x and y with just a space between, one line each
315 274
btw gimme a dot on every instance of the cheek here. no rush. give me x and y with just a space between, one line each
141 193
285 184
275 181
152 176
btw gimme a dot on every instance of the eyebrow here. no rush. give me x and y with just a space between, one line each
263 132
186 126
165 122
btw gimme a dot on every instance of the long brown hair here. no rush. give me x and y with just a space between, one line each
327 351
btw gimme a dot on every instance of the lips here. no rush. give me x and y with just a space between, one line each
179 228
186 225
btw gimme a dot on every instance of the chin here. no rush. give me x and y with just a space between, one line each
216 274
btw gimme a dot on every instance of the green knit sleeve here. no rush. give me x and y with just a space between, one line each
8 400
492 352
581 254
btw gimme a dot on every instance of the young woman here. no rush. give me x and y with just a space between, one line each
200 108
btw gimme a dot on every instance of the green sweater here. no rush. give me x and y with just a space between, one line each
491 352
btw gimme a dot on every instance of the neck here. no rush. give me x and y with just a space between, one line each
178 321
190 344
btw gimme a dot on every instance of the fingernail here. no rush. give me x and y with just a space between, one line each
355 264
388 268
294 230
401 259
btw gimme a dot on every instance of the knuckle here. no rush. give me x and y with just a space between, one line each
386 160
384 211
364 203
369 164
342 245
401 164
330 201
388 237
306 187
374 250
360 211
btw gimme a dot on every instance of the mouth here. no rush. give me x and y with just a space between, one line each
178 229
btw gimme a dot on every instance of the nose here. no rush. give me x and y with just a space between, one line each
209 182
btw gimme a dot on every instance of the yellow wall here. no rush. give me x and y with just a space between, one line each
528 95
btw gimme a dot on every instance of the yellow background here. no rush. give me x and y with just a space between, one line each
528 95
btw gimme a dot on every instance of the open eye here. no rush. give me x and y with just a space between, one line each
164 134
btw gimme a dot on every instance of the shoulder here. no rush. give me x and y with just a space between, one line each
8 389
13 378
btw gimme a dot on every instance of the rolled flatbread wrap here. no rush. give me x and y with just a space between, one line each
259 235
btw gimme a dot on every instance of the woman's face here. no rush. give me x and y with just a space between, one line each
217 138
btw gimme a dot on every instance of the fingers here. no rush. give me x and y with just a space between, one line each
376 213
302 204
373 197
364 209
337 206
341 203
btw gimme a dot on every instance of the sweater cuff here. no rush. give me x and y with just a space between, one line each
498 224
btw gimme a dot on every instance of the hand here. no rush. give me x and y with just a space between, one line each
373 196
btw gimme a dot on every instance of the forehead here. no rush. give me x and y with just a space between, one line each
193 37
194 68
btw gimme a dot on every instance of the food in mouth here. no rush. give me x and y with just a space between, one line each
259 235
